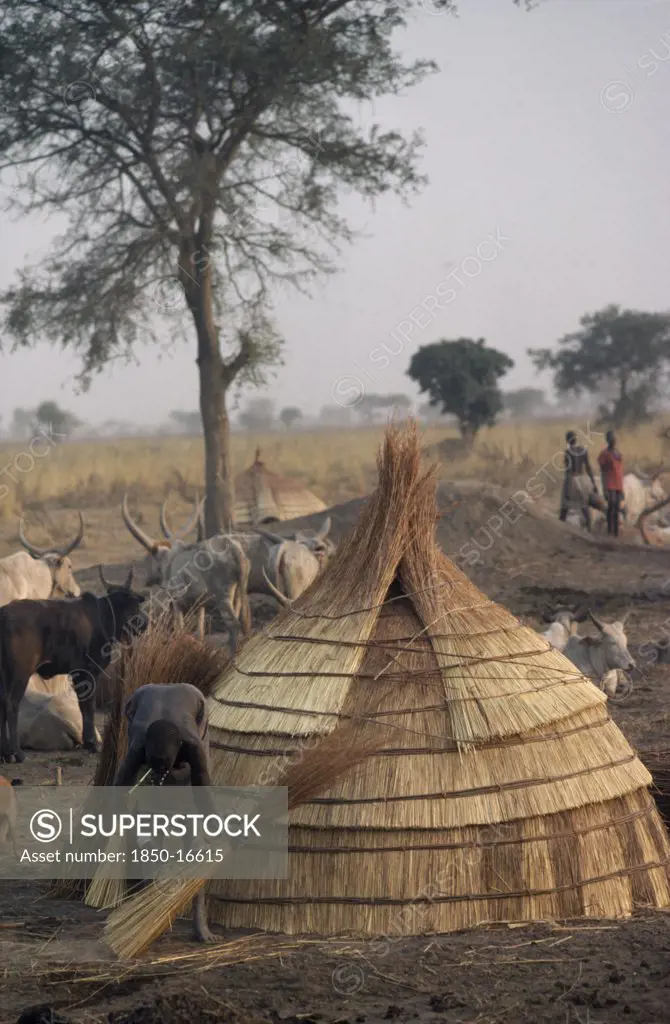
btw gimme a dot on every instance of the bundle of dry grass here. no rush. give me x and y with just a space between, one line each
140 920
160 655
502 790
262 496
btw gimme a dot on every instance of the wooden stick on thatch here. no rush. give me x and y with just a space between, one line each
143 918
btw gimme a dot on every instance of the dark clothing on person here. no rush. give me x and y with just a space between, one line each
577 461
578 483
611 469
613 511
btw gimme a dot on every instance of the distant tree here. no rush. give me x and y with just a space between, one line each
399 403
369 404
187 422
367 407
462 378
626 350
259 415
524 402
49 415
335 416
23 422
290 415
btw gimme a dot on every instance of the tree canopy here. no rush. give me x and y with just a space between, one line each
370 404
196 151
290 415
48 415
462 377
259 414
623 352
524 401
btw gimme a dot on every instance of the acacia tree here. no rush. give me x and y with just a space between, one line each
290 415
623 352
196 149
462 378
50 414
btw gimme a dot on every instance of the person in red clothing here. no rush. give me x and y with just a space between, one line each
611 469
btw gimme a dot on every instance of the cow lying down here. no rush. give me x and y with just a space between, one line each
604 658
51 721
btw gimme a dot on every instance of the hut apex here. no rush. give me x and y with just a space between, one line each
266 497
499 788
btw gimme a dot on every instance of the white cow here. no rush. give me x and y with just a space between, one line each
602 657
39 573
210 575
50 720
640 493
291 563
561 629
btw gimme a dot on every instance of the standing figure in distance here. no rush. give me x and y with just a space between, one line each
577 492
611 469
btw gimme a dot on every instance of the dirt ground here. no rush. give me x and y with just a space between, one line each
586 973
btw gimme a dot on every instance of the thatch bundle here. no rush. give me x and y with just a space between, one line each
500 789
162 654
262 496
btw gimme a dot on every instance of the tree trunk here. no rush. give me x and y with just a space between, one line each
219 506
215 379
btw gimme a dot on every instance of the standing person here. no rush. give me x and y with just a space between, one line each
577 493
611 469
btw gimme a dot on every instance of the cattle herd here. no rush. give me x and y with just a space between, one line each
50 631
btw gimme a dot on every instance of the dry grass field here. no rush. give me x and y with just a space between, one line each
335 464
48 482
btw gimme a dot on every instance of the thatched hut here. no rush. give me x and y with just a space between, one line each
265 497
502 790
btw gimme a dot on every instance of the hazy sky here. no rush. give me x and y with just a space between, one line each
547 130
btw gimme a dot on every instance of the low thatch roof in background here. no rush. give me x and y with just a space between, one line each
262 496
502 791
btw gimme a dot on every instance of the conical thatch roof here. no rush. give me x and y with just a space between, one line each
503 790
262 496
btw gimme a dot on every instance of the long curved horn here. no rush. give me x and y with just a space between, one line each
582 614
274 537
74 543
162 519
324 531
30 548
282 598
185 530
596 622
144 539
647 512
